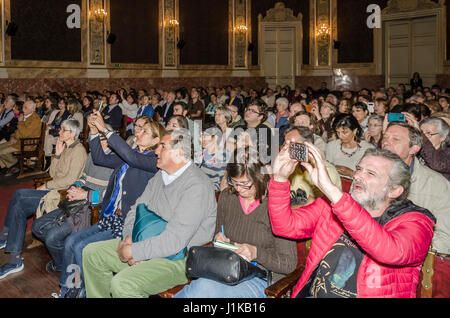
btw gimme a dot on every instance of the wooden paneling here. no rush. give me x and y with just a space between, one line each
42 31
136 28
204 29
261 6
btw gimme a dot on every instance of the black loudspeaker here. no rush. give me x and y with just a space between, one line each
251 47
11 29
181 44
337 45
111 38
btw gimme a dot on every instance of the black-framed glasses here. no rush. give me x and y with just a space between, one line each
252 110
236 184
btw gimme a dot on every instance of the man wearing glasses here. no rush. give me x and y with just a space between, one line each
429 189
255 115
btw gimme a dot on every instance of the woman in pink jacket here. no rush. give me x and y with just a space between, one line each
371 243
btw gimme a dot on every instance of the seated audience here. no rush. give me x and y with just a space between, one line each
7 111
429 189
179 193
91 186
74 109
363 243
381 107
66 167
195 105
53 127
145 108
233 99
361 113
132 171
325 113
346 151
212 160
435 151
165 110
303 190
28 126
112 113
242 214
282 115
237 120
374 133
305 119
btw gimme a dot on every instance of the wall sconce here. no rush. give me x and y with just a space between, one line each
241 29
99 15
323 32
173 23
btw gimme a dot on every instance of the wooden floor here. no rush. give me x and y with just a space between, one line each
33 281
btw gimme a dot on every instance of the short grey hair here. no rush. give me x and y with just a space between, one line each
442 127
181 139
399 175
379 118
283 100
73 125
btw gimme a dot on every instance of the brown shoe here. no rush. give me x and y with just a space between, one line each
34 243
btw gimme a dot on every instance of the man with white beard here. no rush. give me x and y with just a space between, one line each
370 243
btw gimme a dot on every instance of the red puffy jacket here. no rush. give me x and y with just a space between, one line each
394 252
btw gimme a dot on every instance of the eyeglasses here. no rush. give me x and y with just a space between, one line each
253 111
236 184
429 135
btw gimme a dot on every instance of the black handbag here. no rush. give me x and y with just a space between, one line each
221 265
77 213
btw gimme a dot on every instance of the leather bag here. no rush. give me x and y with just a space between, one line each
221 265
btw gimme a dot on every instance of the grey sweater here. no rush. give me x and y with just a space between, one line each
189 206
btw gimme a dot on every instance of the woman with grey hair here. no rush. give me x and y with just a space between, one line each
435 152
66 167
282 116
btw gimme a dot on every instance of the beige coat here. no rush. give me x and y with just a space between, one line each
430 190
29 128
66 168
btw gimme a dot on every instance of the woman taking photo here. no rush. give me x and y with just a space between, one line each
243 215
346 151
132 171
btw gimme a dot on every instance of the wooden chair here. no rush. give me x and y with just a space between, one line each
31 148
435 276
123 129
84 135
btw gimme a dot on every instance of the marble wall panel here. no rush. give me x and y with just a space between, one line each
39 86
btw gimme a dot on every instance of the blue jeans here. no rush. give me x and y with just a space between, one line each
22 205
73 249
53 235
207 288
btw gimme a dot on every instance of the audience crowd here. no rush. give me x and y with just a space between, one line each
214 164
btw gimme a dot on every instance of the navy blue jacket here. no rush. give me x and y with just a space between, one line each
142 169
115 116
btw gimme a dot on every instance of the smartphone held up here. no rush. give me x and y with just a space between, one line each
298 152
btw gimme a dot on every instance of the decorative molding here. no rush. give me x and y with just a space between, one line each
170 33
279 13
323 44
96 35
240 38
401 6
